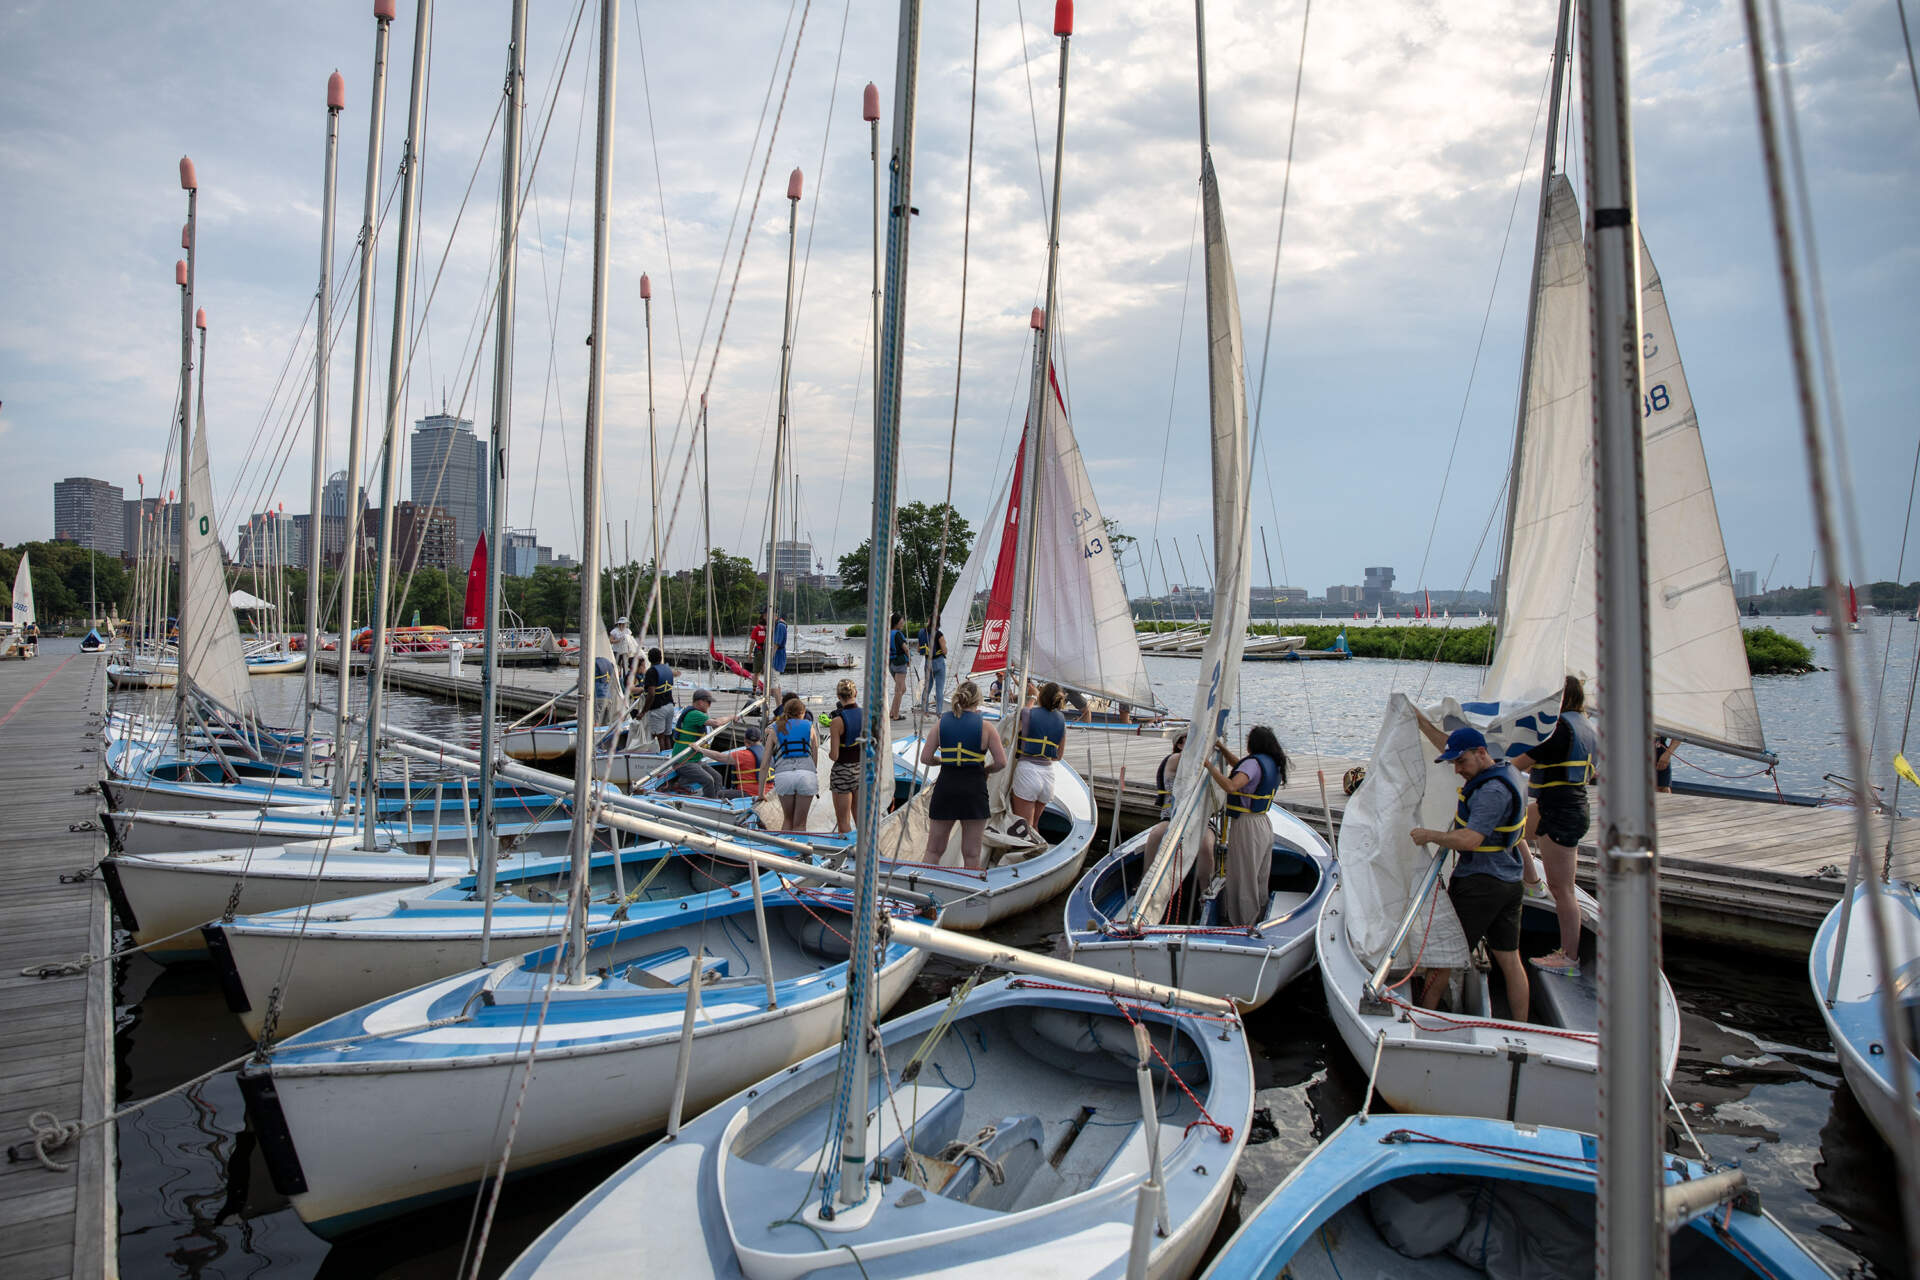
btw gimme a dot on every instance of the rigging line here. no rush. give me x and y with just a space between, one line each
1180 337
1033 106
1913 677
1907 36
853 417
960 348
1479 346
660 192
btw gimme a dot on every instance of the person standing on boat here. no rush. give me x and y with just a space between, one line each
936 683
898 662
1663 749
1040 738
847 748
656 692
796 763
626 654
967 749
688 730
1558 772
605 674
1256 778
1485 886
1163 778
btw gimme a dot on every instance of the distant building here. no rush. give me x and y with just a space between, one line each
564 562
89 512
450 472
1378 588
1343 595
139 520
1278 595
267 538
524 554
334 539
1746 583
791 559
423 538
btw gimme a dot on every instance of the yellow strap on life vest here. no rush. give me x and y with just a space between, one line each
1460 797
1579 772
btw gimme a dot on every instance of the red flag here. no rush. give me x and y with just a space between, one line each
475 610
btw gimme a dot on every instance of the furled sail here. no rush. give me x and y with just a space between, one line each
1218 684
22 595
212 661
1084 636
1702 688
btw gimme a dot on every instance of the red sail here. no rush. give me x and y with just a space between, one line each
475 610
992 654
1853 605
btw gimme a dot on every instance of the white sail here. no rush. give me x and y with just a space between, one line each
1546 608
1702 688
23 616
211 658
1215 690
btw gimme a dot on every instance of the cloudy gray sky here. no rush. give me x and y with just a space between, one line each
1413 143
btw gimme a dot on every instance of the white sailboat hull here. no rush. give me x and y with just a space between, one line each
1467 1064
1854 1021
124 677
581 1100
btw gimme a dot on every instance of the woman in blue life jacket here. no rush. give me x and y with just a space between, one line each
936 686
899 662
1250 788
1558 773
846 747
796 769
967 749
1039 739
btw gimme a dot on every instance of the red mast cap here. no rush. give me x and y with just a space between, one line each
187 181
200 318
793 185
1039 320
1063 17
336 92
180 273
186 236
870 103
383 10
646 286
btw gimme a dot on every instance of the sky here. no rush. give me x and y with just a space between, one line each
1397 304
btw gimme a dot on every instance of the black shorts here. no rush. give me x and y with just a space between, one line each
1489 908
960 795
1564 824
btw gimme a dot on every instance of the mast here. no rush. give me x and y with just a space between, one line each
1632 1239
357 416
844 1181
1548 168
316 523
580 842
1015 691
653 485
188 239
780 446
502 422
396 400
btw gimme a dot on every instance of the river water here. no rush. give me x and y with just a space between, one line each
1756 1074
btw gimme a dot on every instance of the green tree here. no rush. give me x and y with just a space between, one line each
920 580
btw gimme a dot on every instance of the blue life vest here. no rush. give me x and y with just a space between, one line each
796 740
897 647
1044 736
853 748
963 740
1258 797
661 676
1577 769
602 677
1507 834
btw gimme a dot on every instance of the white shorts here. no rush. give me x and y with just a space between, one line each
1033 780
796 782
659 721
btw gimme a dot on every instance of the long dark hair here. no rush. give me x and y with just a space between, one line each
1262 742
1573 695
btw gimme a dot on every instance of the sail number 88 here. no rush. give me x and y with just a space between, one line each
1655 401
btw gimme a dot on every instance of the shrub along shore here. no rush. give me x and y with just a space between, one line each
1768 652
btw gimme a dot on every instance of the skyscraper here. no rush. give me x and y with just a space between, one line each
89 512
450 472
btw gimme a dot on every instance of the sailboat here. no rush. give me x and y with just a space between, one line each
1386 913
1829 627
20 641
1119 917
1020 1129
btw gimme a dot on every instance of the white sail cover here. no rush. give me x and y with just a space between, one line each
1083 634
1546 611
1702 689
212 660
1219 676
23 616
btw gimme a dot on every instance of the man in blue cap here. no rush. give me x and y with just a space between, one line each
1485 886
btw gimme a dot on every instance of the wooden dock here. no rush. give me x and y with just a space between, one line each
56 1033
1749 872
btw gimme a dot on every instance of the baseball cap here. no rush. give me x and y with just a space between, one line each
699 694
753 733
1459 742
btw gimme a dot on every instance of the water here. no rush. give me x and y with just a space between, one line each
1756 1075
